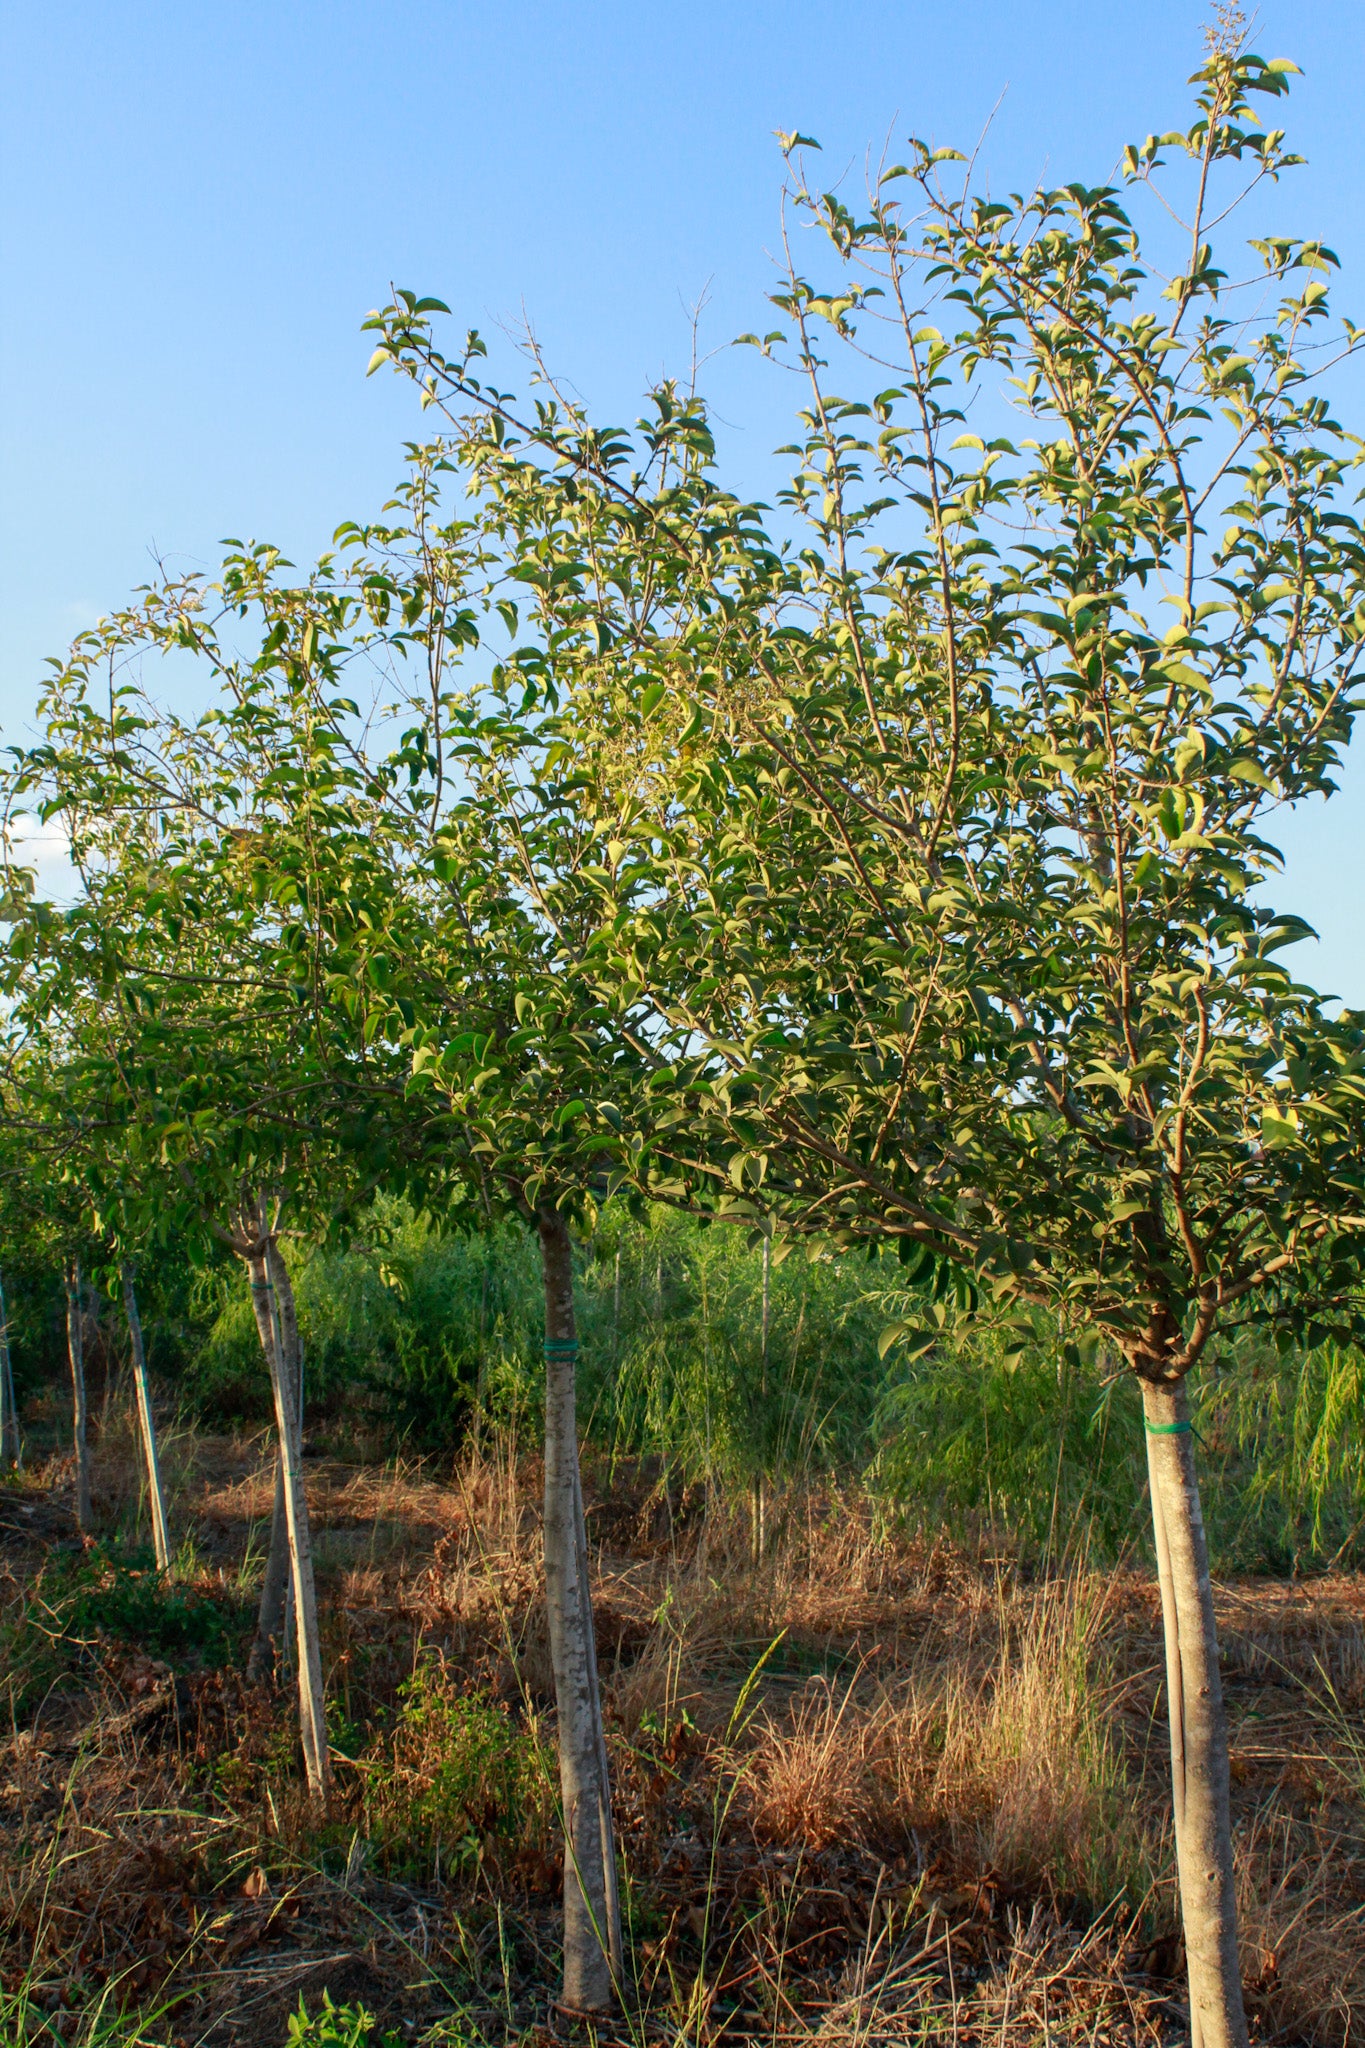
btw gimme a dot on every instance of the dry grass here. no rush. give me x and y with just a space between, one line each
869 1791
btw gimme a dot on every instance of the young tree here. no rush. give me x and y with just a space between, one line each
203 1067
934 865
334 860
1002 977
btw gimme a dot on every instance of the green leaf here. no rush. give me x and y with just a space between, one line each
916 1339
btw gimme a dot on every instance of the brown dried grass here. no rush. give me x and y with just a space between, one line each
937 1763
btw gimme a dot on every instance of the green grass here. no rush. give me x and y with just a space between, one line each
411 1338
30 2020
126 1599
82 1605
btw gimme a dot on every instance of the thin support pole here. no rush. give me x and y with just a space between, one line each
156 1497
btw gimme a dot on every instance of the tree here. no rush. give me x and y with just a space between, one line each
936 866
198 1061
270 908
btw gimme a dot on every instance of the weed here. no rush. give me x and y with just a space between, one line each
337 2026
130 1601
461 1779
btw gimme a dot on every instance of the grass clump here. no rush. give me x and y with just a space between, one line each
1036 1747
100 2022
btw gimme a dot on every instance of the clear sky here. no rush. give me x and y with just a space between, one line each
199 204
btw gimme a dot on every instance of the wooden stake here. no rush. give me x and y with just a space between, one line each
156 1498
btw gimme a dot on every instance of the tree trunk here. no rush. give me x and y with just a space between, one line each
10 1453
592 1913
156 1498
291 1351
275 1613
312 1717
275 1620
75 1345
1199 1732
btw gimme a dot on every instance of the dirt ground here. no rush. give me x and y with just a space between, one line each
869 1790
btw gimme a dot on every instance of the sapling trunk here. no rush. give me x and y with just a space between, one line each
156 1498
760 1503
592 1914
275 1613
1199 1732
312 1716
75 1346
270 1613
10 1449
286 1321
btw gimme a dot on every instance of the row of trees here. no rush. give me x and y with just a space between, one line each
879 870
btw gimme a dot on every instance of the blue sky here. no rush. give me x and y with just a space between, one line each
199 204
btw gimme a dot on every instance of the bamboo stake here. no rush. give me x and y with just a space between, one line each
156 1498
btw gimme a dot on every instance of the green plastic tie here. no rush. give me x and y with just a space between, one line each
561 1347
1168 1428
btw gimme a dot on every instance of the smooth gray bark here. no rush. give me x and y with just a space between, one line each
156 1498
75 1346
592 1913
11 1451
1199 1731
275 1622
270 1616
312 1716
286 1323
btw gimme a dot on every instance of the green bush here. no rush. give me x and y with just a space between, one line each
138 1605
77 1604
410 1335
459 1776
336 2026
403 1338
